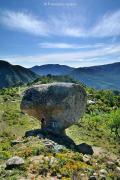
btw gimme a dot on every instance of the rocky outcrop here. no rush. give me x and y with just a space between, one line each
56 142
56 105
14 162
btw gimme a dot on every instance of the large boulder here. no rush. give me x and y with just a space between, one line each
56 105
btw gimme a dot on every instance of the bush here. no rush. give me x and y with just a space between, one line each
115 122
4 155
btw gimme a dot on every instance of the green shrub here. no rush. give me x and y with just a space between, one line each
115 122
4 155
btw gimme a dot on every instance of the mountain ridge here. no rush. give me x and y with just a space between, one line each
54 69
12 75
99 77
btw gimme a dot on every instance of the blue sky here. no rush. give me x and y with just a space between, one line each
72 32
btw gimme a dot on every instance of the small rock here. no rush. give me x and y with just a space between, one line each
53 160
59 176
41 136
14 142
14 162
91 102
49 145
102 177
37 159
58 148
95 174
111 165
103 172
92 178
86 158
118 162
118 170
47 158
83 177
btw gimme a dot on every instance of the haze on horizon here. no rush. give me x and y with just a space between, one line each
76 33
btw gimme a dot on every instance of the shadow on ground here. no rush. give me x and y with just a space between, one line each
62 140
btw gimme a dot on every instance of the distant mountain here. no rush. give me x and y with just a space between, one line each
54 69
11 75
99 77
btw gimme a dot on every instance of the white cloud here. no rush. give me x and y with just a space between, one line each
69 46
56 45
24 22
108 25
66 25
63 25
103 55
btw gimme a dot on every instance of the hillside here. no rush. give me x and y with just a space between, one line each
12 75
54 69
44 158
99 77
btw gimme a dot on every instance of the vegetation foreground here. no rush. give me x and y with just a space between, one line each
44 159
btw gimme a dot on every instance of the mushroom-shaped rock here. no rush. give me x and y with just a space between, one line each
56 105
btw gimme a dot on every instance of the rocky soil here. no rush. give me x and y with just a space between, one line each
37 158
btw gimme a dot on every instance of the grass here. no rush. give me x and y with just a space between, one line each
93 129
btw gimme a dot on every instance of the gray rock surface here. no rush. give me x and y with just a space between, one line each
103 171
117 170
59 105
86 158
14 161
